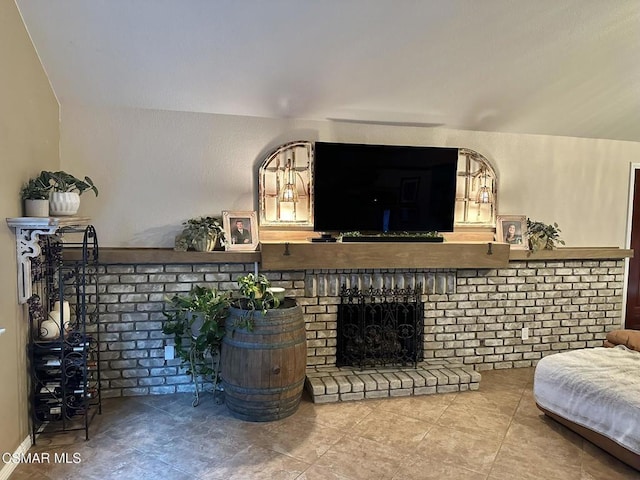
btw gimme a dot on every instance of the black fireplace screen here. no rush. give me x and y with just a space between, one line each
380 327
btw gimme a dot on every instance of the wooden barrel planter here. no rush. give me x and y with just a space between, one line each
263 370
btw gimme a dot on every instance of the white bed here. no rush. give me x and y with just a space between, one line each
595 392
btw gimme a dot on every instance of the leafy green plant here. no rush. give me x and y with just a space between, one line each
35 189
200 229
543 236
65 182
196 321
255 297
40 187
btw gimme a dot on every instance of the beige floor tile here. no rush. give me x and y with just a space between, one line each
475 420
340 415
515 462
306 441
359 458
543 437
317 472
499 402
392 429
460 449
423 407
257 463
432 469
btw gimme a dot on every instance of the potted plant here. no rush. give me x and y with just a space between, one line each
65 191
202 234
196 321
264 353
35 194
543 236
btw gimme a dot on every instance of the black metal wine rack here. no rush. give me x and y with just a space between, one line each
65 362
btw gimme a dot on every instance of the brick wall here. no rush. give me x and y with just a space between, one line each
473 317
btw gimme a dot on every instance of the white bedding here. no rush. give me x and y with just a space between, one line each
598 388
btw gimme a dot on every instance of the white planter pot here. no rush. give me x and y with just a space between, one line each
36 208
64 203
50 328
66 313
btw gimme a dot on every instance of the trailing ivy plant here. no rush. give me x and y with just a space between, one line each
543 236
196 321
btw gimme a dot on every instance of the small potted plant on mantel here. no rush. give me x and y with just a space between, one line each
543 236
202 234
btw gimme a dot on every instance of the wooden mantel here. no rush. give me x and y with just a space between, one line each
356 255
306 255
573 253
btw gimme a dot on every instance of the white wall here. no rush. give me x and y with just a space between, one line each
158 168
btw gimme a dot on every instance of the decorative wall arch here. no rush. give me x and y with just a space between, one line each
286 186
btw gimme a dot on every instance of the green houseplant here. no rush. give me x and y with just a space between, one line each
256 295
64 182
35 194
61 188
201 234
543 236
196 321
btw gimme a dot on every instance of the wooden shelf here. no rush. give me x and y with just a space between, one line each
110 256
573 253
305 256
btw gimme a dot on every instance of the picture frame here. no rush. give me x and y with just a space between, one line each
512 229
240 230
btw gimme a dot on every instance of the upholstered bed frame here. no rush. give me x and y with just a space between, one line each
596 393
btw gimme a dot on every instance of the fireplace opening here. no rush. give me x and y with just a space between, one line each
380 327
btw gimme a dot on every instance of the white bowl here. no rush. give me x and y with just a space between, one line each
277 292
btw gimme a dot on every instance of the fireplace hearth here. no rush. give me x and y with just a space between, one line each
380 327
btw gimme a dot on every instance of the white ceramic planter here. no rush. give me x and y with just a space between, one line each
50 328
66 313
36 208
63 203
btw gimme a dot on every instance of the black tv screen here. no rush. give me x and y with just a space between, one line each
383 188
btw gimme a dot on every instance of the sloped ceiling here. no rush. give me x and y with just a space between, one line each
554 67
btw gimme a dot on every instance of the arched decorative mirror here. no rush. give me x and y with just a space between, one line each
286 186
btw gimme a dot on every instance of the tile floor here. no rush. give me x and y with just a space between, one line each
495 433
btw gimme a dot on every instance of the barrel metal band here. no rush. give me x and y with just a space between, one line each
254 390
263 346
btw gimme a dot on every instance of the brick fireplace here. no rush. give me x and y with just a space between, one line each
473 321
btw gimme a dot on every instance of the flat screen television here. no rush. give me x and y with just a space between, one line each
383 188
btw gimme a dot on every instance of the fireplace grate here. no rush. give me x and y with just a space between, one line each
380 327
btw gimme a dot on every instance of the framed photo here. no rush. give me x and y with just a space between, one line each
241 230
512 229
